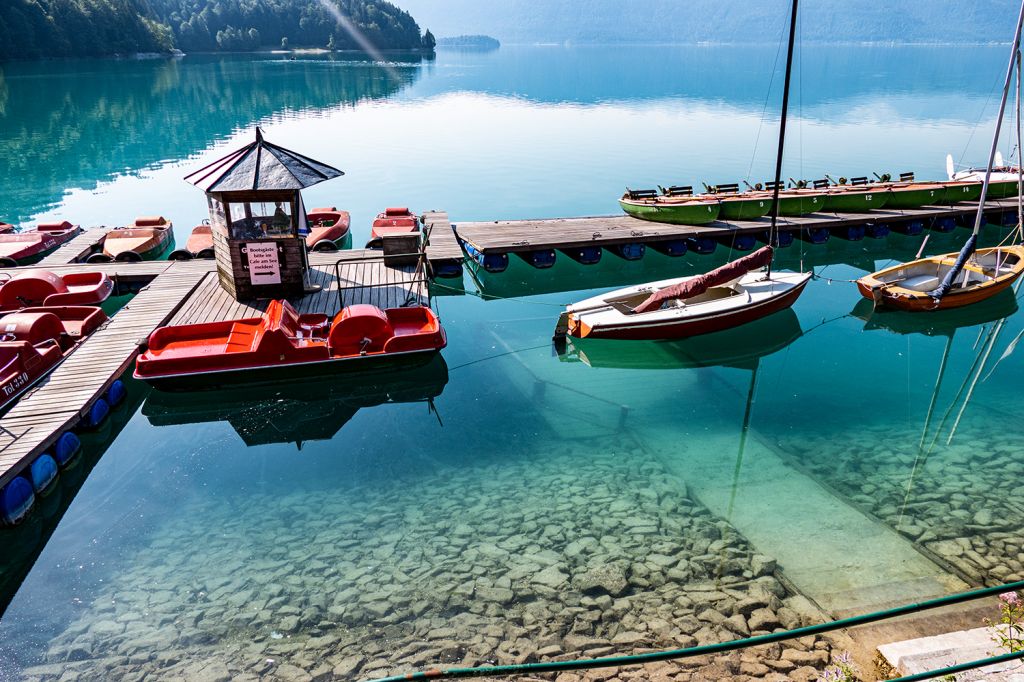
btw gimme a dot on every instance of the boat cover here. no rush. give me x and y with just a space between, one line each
958 267
695 286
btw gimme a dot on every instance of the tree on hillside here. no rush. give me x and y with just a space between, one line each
429 42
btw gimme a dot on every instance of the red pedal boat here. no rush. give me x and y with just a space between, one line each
42 287
33 341
199 245
144 239
328 229
392 221
285 345
24 248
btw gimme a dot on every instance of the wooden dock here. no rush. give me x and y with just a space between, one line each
523 236
443 249
76 249
175 292
180 292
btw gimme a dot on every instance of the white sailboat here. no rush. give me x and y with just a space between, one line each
732 295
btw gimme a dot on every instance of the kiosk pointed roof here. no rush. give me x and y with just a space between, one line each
261 165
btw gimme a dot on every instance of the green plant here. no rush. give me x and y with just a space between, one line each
841 670
1011 615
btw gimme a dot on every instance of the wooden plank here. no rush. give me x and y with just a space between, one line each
442 243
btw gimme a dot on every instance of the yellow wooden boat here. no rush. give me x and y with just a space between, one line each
909 286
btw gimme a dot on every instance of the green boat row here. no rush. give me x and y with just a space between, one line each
679 206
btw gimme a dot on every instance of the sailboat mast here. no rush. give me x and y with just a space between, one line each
999 122
1020 160
773 231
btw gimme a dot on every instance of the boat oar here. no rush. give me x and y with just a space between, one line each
923 244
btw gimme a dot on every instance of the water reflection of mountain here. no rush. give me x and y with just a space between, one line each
736 75
77 123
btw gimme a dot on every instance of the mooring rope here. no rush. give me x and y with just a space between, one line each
494 297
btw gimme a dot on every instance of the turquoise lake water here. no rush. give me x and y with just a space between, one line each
458 513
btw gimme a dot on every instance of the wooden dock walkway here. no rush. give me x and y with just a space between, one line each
371 281
60 401
75 250
178 292
522 236
443 248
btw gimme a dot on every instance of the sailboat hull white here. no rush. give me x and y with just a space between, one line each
746 299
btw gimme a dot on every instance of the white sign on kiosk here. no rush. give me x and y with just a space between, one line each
264 268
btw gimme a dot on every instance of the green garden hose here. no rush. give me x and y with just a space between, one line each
673 654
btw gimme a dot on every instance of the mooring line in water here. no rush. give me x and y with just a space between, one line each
737 644
494 297
499 355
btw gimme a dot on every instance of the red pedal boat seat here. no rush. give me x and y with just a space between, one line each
33 327
359 328
42 287
59 226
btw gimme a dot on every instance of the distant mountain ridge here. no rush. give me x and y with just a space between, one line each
694 21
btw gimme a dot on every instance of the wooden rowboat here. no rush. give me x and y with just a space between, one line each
145 239
909 286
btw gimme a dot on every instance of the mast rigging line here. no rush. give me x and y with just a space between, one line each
773 230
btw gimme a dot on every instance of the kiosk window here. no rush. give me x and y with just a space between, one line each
260 219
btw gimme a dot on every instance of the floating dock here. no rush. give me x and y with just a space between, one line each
182 292
488 242
177 292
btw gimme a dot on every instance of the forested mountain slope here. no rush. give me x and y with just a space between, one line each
63 28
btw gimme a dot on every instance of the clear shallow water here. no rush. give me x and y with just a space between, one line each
205 536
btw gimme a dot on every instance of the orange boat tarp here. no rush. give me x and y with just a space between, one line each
695 286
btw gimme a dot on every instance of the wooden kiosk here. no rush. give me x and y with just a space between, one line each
258 220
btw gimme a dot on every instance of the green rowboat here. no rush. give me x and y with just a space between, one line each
741 207
803 203
674 211
855 201
1001 189
916 195
962 190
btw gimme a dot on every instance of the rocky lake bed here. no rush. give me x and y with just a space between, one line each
529 560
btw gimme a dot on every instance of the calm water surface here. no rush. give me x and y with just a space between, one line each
877 465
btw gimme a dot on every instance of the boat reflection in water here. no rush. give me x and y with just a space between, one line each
938 323
741 348
941 425
300 411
